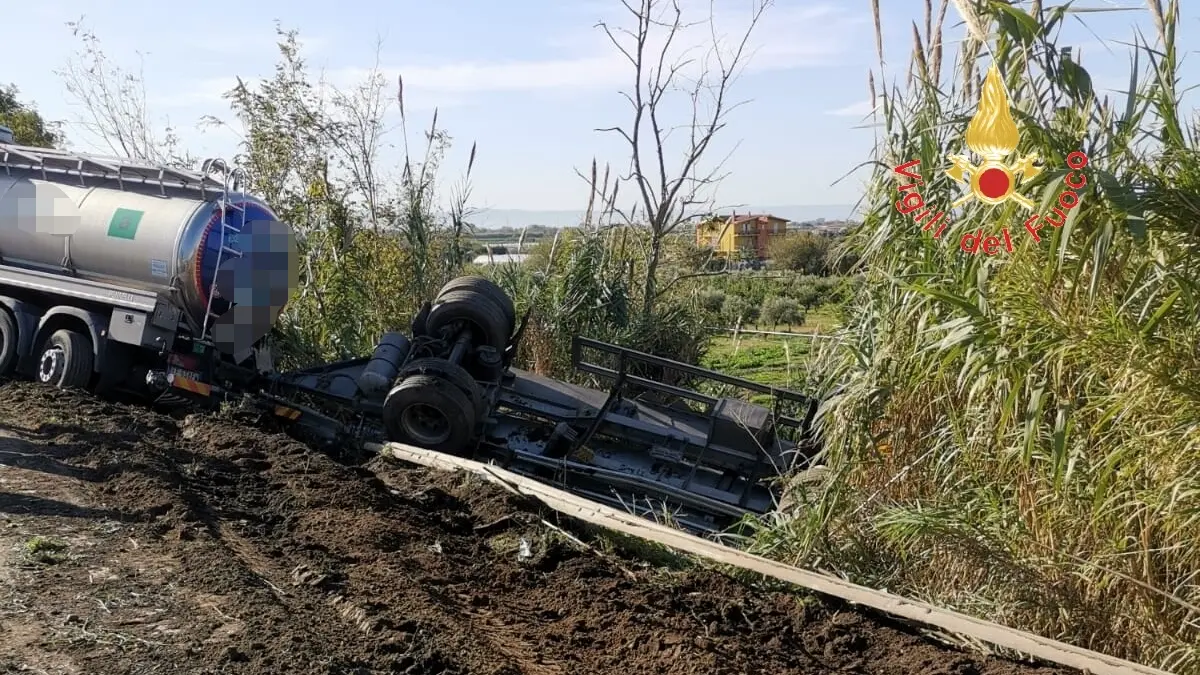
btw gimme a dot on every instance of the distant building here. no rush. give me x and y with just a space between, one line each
746 237
822 226
500 259
500 254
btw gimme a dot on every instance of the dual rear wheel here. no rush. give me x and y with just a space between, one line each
436 403
65 358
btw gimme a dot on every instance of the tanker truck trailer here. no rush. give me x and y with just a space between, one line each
120 274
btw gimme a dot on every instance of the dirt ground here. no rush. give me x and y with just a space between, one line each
131 542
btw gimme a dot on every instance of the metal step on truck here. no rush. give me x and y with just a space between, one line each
117 275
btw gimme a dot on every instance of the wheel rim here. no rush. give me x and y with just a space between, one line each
50 369
425 424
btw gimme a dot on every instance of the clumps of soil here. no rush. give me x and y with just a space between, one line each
202 545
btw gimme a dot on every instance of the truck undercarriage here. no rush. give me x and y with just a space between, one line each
666 439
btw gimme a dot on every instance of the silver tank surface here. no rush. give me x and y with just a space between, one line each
147 227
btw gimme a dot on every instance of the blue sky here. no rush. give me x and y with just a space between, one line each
529 80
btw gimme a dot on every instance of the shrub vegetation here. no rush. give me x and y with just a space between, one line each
1016 436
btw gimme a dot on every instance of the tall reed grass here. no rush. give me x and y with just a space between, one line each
587 281
1017 436
374 244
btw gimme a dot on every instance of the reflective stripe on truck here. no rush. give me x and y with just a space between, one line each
188 384
287 413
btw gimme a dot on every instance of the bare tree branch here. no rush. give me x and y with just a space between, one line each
358 137
113 106
667 192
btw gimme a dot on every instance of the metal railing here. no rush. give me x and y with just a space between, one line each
626 357
51 163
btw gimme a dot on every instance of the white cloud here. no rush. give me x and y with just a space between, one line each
800 37
198 93
466 77
857 109
788 37
247 43
796 37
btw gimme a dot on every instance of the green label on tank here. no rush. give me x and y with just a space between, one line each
124 223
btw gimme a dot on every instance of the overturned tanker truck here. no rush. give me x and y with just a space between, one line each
120 276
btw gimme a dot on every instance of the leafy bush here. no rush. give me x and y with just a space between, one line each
27 125
800 252
373 246
711 300
752 291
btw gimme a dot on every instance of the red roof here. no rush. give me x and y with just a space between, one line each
762 218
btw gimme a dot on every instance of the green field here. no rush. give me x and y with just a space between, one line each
774 360
766 359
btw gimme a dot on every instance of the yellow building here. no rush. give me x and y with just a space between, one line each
746 236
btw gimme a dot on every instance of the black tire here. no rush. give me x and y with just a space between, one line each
452 373
430 412
8 343
71 367
481 313
486 287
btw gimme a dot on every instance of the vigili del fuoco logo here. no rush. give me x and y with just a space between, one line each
992 136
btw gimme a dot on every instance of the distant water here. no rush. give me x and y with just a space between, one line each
491 218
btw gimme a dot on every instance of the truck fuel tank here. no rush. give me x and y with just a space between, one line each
376 379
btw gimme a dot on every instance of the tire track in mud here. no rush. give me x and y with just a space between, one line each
260 555
263 498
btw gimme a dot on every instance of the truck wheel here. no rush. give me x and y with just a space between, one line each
66 360
431 413
450 372
486 287
477 311
8 343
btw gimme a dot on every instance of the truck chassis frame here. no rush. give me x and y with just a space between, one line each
704 461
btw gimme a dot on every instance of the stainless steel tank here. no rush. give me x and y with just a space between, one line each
137 226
